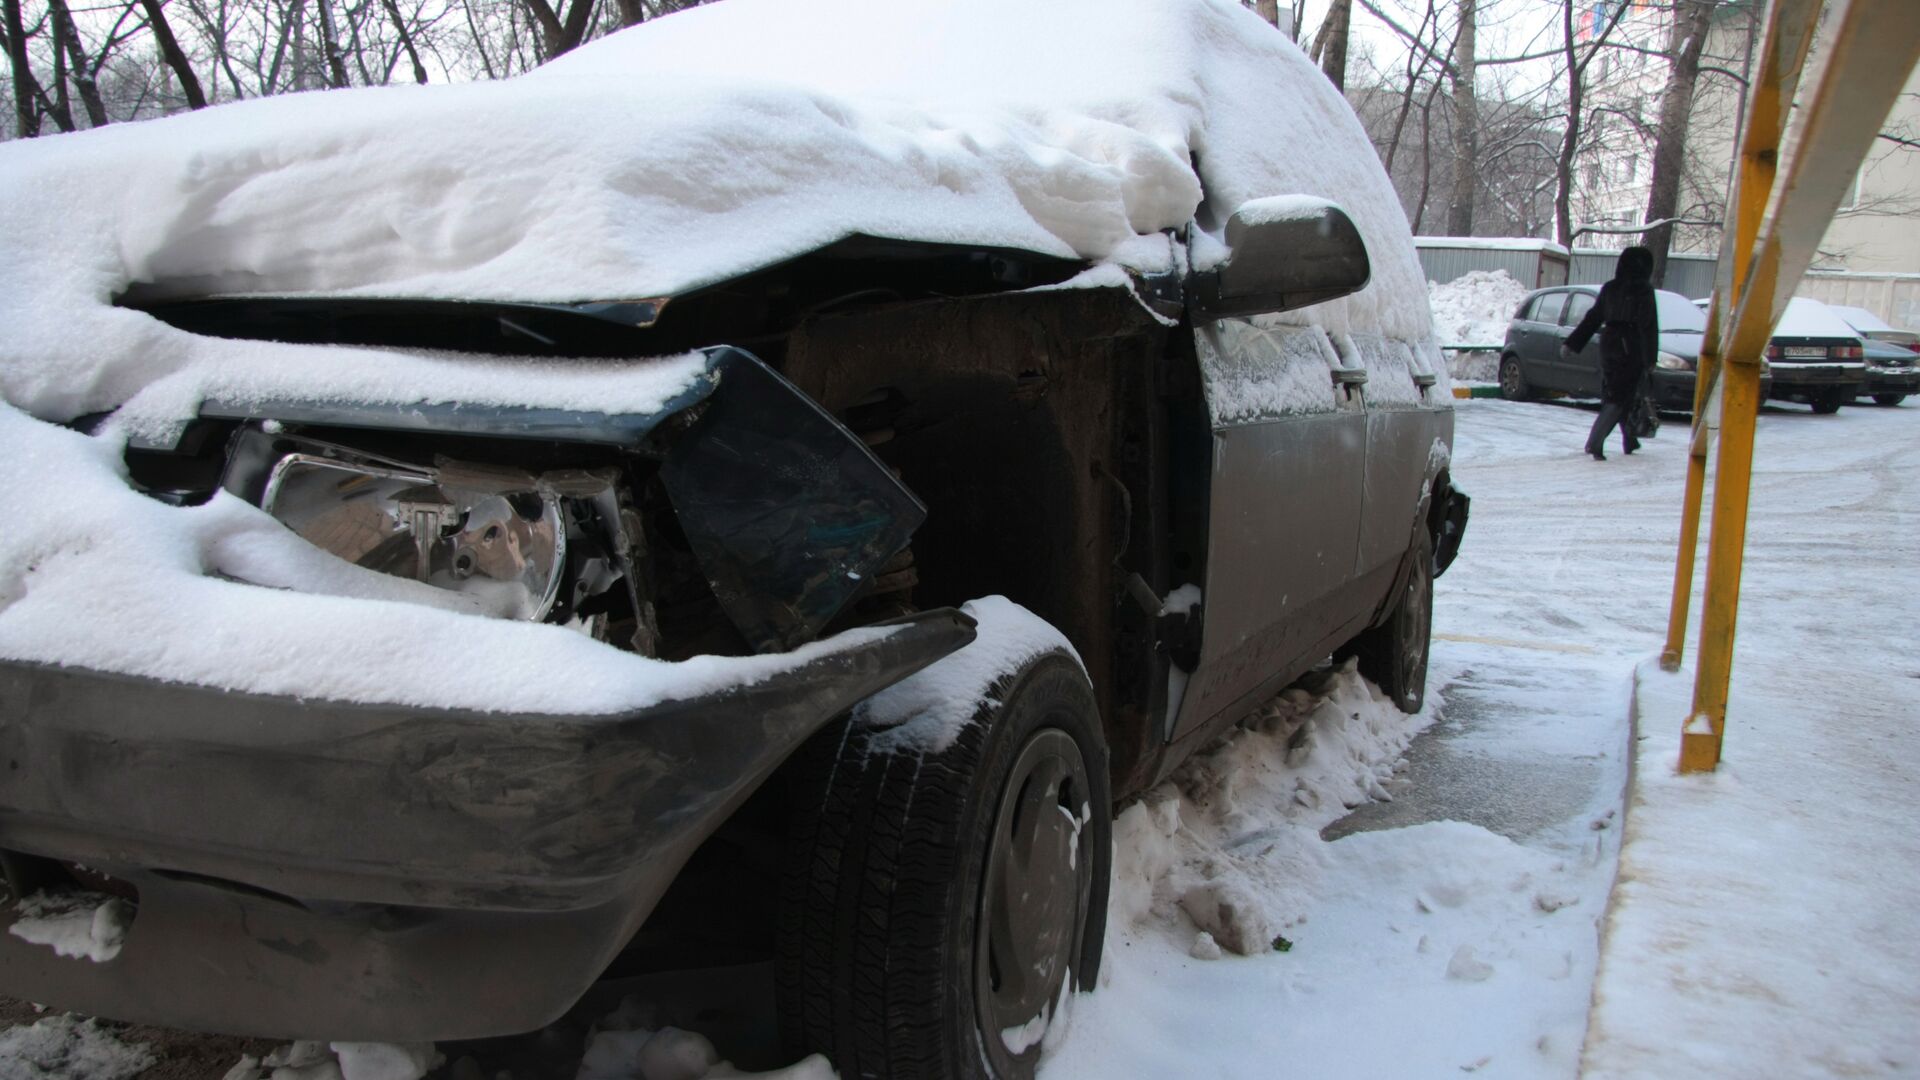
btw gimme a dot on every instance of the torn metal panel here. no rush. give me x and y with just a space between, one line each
788 512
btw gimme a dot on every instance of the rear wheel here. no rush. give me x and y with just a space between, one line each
940 904
1889 399
1394 654
1513 381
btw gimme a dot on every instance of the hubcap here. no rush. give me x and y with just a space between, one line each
1033 899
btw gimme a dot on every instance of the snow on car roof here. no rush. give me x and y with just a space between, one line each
1811 319
1859 318
682 152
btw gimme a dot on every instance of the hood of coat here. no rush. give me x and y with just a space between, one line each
1635 266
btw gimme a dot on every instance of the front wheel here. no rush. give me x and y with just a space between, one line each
1513 381
1394 654
941 901
1889 399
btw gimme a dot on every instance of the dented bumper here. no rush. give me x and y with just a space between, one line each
363 872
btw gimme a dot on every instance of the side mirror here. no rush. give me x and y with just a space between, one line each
1284 252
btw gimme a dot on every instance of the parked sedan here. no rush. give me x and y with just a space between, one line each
1532 362
1892 356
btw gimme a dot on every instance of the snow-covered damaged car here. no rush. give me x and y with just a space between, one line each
761 487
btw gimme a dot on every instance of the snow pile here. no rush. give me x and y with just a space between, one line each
69 1048
1233 843
926 711
311 1060
676 154
1464 950
74 924
1475 308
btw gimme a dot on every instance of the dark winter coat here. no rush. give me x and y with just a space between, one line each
1628 323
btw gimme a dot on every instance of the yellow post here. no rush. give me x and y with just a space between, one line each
1861 74
1784 50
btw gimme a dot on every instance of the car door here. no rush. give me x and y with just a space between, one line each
1543 341
1289 436
1579 372
1403 426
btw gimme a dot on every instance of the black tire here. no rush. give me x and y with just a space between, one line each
1513 380
1825 406
1394 654
1889 399
892 930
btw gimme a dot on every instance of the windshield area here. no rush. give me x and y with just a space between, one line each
1678 315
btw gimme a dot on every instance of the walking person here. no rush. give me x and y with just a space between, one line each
1628 323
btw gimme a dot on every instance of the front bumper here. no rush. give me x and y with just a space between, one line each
381 873
1672 391
1891 380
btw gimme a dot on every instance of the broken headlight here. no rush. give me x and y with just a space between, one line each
504 548
557 546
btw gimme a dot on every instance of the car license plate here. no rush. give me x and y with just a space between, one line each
1800 352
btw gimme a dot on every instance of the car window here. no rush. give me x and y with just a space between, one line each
1578 304
1256 371
1547 309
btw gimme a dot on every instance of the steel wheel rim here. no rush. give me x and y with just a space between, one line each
1510 377
1414 629
1033 897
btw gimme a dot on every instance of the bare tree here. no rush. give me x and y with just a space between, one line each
1330 44
1466 123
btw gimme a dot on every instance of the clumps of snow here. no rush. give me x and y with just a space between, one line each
1182 600
66 1047
925 712
1233 840
627 1045
1473 310
316 1060
74 924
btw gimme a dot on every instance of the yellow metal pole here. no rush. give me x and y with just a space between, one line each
1789 33
1862 72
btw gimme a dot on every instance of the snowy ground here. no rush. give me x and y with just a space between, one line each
1763 926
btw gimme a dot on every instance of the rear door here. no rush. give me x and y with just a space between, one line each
1537 358
1289 424
1580 372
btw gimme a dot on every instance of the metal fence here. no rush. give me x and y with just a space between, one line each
1893 297
1689 274
1533 263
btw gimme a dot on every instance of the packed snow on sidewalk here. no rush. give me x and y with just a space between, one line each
1765 922
1474 309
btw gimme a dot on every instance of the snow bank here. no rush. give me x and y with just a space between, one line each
69 1048
676 154
1233 843
925 712
1475 308
1449 944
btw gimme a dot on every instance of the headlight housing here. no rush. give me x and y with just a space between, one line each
504 548
555 546
1667 361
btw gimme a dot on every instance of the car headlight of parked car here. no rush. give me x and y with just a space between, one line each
1667 361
